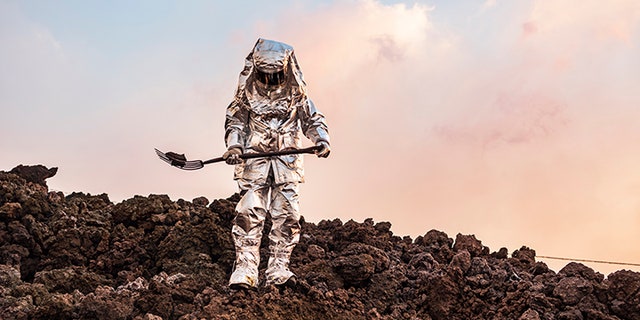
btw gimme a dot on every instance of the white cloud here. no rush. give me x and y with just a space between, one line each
465 140
588 20
429 131
489 3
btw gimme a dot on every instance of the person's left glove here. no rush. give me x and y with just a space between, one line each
324 151
232 156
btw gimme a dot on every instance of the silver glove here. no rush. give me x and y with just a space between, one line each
232 156
324 151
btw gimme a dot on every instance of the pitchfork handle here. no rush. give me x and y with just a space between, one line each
268 154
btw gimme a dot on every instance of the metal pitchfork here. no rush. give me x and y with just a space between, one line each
181 162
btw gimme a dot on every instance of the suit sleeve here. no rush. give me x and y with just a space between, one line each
235 124
313 123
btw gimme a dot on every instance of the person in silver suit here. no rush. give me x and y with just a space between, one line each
268 112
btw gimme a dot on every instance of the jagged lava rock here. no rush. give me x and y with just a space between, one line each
80 256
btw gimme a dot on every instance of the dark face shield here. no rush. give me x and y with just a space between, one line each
271 79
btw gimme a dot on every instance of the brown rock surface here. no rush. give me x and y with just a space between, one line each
82 257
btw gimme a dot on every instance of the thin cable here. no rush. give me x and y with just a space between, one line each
595 261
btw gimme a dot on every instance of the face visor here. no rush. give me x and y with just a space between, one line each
271 79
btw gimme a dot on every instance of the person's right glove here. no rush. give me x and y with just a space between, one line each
232 156
324 151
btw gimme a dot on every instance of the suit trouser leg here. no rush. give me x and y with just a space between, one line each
247 232
285 231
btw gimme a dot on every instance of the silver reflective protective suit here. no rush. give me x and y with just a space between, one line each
268 113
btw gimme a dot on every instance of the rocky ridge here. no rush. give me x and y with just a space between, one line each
80 256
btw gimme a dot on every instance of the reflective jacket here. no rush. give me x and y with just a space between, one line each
265 118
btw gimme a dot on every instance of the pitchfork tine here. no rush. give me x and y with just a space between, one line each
163 156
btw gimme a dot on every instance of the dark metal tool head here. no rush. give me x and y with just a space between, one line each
179 160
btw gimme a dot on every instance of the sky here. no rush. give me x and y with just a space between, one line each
515 121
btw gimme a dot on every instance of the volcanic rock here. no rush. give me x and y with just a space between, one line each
35 174
80 256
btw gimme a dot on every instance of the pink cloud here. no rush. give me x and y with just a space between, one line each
534 143
502 147
511 119
529 28
588 20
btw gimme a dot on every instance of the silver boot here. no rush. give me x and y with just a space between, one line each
278 272
245 273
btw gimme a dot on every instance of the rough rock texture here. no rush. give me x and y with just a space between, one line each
80 256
